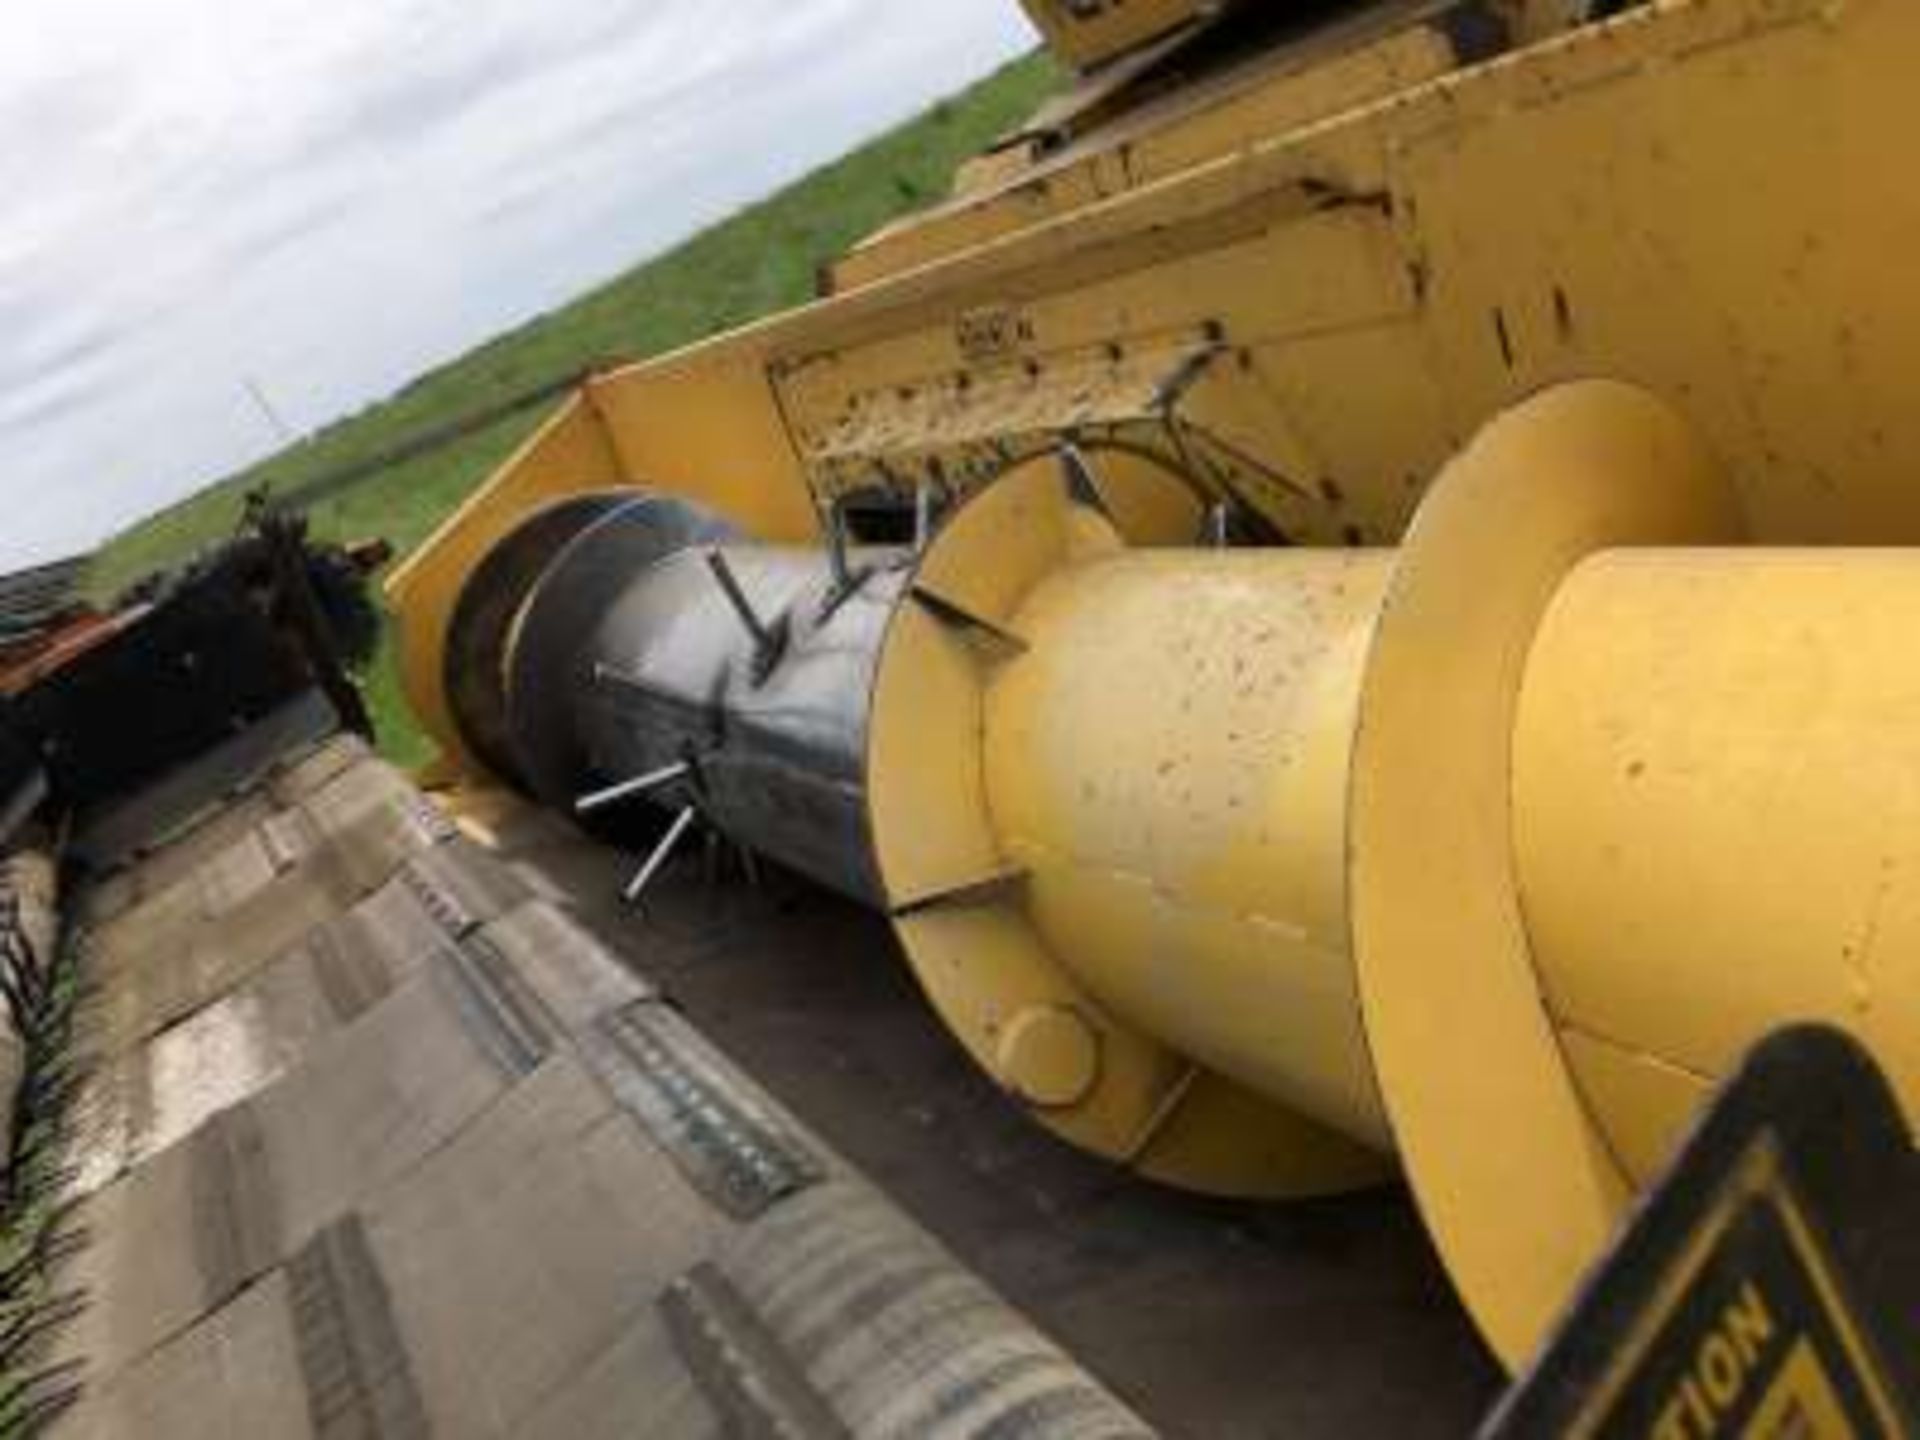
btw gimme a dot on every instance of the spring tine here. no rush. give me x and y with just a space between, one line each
15 999
43 1136
38 1320
65 1245
51 1242
42 1186
21 1412
55 1238
45 1410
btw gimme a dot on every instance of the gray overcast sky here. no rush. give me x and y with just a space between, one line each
329 198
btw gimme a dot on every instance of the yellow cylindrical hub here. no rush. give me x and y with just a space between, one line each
1167 763
1106 788
1717 817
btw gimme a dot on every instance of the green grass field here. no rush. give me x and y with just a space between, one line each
761 260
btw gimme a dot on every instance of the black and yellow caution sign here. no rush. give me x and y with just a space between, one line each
1749 1334
1769 1289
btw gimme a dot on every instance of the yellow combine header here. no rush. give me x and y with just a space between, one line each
1347 592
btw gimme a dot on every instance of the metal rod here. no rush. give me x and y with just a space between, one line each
1083 488
763 638
847 577
638 785
837 546
661 853
769 641
922 517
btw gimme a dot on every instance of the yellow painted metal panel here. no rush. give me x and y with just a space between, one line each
991 556
570 453
1717 801
1289 92
1648 157
1083 33
1645 201
1312 404
704 425
926 806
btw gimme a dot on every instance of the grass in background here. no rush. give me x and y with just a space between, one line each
762 260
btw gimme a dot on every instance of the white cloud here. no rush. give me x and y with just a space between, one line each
330 198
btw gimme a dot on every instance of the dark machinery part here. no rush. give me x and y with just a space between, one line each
321 617
205 662
655 644
211 649
477 634
543 658
23 781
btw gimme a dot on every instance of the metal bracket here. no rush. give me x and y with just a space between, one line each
1083 486
847 579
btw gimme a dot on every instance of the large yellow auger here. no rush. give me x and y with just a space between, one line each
1262 870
